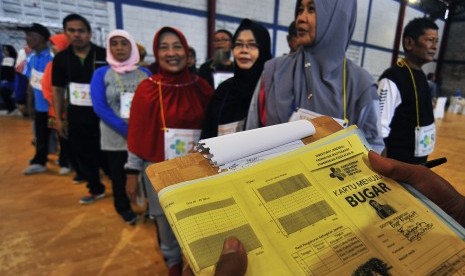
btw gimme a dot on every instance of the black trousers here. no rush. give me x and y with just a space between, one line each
84 141
6 94
116 161
42 133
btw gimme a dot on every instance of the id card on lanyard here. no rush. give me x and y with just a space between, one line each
8 62
230 128
219 77
425 138
179 142
36 79
125 101
305 114
79 94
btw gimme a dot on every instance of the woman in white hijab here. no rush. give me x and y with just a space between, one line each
318 77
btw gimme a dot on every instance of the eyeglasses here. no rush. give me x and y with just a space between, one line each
248 45
221 40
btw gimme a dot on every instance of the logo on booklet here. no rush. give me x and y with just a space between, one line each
337 172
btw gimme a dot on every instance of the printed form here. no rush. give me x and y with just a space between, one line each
319 210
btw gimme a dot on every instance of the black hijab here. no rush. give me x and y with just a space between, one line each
246 80
232 98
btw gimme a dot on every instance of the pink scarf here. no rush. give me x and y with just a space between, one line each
131 63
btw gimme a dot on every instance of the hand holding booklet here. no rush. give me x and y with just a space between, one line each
316 210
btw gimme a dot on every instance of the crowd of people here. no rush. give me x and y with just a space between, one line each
113 112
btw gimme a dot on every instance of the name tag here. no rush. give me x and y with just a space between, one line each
230 128
425 138
179 142
36 79
126 101
8 62
304 114
219 77
79 94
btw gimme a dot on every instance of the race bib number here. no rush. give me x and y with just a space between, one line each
425 138
219 77
305 114
126 101
36 79
8 62
230 128
79 94
179 142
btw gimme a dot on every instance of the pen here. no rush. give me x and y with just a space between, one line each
435 162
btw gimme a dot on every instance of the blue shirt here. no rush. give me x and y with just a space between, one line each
38 61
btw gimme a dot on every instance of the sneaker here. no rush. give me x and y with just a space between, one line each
64 171
91 198
15 112
129 217
34 168
78 179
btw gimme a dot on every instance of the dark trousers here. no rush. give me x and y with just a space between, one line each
116 161
84 141
63 157
6 94
66 157
42 133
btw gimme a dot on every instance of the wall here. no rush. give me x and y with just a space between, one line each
371 46
453 67
49 13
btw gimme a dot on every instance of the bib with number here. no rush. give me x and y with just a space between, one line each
8 62
219 77
179 142
79 94
125 106
425 138
36 79
230 128
305 114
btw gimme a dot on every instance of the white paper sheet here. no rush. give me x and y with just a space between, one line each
227 148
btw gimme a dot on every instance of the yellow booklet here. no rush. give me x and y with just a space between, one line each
319 210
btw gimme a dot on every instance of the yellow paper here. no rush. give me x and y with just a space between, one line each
309 213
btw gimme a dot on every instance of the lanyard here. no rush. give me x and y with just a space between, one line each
120 83
161 102
401 63
344 89
344 93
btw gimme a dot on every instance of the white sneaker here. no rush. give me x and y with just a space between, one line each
64 171
34 168
15 112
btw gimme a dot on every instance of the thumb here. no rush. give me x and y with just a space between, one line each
233 259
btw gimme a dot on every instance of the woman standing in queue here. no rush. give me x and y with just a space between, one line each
112 89
166 118
228 109
318 77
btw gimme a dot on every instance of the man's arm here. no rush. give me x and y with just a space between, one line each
389 100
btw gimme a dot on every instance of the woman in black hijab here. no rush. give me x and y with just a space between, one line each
229 107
